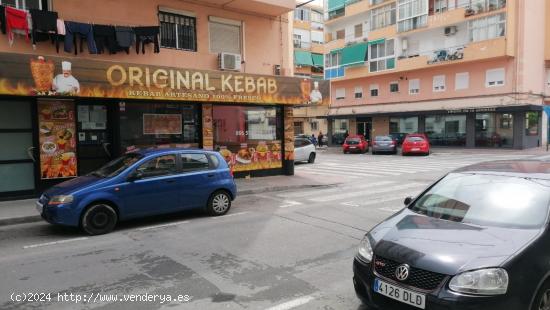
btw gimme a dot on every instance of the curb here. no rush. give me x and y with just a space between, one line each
38 218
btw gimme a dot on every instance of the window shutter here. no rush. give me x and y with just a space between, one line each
340 93
462 81
225 38
439 83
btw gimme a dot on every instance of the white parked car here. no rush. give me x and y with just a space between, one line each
304 150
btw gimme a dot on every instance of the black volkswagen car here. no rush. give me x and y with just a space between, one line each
476 239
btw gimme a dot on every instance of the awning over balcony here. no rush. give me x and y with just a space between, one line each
334 5
377 41
355 54
303 58
318 60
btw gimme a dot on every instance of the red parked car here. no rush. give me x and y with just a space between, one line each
355 143
415 143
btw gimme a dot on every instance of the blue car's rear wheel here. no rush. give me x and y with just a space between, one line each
219 203
99 219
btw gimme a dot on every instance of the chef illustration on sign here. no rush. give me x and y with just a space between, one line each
65 83
315 96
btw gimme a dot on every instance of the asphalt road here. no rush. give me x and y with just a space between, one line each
276 251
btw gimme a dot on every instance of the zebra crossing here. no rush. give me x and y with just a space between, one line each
392 166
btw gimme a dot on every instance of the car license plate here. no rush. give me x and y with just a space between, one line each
414 149
352 147
39 207
400 294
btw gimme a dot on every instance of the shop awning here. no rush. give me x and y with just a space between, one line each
318 60
334 5
355 54
303 58
377 41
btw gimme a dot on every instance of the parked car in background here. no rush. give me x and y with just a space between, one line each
355 144
384 144
141 184
476 239
304 136
304 150
415 143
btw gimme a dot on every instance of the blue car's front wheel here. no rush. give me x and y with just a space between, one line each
99 219
219 203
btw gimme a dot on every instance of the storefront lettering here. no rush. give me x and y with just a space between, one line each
117 75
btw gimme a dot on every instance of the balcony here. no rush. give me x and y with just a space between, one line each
263 7
476 51
335 44
357 7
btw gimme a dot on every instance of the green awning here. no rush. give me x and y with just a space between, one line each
334 5
377 41
318 60
355 54
303 58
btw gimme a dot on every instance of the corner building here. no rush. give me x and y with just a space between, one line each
468 73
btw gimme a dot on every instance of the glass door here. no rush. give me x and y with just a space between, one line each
17 159
363 128
94 136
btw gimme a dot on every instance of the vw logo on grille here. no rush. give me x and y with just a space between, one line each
402 272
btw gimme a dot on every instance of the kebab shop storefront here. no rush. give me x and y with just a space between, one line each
65 117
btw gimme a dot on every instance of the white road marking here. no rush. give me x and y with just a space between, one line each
350 203
164 225
329 191
229 215
53 243
290 203
293 303
367 193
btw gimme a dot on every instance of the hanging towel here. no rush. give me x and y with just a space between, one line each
147 35
83 31
3 19
44 26
16 20
125 38
105 37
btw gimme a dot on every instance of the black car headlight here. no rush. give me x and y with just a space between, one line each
365 250
490 281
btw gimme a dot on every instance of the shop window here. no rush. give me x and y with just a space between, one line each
394 87
159 166
446 130
403 125
194 162
225 35
144 125
439 83
358 92
374 90
24 4
490 131
462 81
414 86
494 77
249 137
506 121
532 123
340 93
314 126
178 31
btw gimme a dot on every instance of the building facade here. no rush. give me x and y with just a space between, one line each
308 39
468 73
82 82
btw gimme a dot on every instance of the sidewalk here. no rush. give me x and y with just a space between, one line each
24 211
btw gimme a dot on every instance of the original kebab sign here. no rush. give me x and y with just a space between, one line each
33 75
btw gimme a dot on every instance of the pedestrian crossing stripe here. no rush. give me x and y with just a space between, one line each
330 191
367 192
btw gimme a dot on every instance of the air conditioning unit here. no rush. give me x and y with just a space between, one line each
405 44
229 61
449 31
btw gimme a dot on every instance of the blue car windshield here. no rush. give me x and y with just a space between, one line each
116 166
487 200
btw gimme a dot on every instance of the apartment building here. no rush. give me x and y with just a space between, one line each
468 73
133 74
308 40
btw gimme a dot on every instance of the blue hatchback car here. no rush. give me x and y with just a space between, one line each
140 184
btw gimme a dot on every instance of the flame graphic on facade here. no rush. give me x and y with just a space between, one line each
20 89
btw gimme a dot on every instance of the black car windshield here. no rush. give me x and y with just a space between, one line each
118 165
487 200
382 138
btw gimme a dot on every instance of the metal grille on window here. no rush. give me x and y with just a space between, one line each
177 31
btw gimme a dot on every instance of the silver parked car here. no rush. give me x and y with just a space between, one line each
304 150
384 144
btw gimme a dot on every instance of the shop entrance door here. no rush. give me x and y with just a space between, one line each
363 128
94 136
18 165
